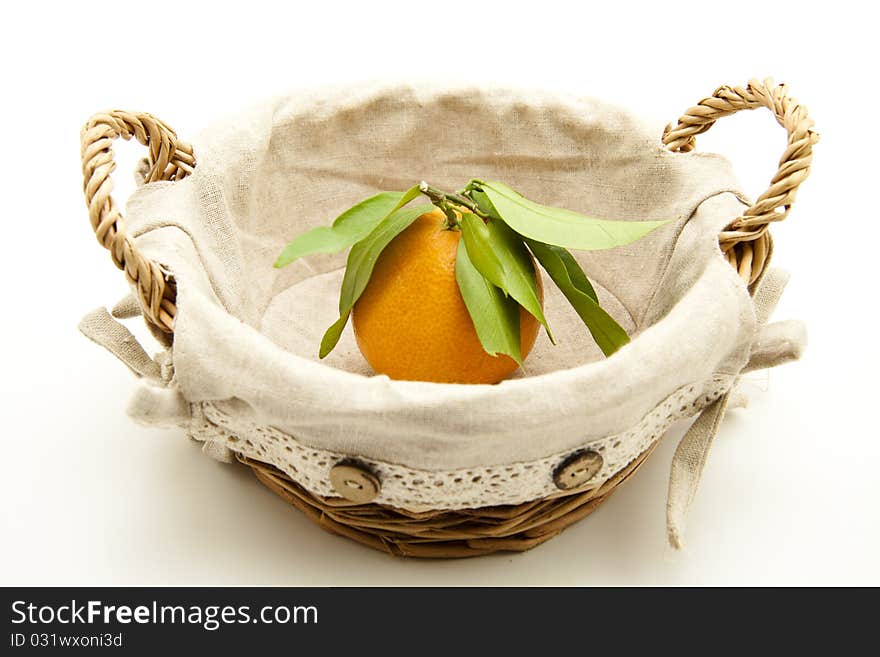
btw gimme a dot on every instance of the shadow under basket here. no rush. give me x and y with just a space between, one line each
420 469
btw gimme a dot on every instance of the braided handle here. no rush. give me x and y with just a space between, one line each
746 241
168 159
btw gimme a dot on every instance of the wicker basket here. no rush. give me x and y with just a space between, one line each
350 511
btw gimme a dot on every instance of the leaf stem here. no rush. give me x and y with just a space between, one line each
445 201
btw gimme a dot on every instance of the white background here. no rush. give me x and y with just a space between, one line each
790 494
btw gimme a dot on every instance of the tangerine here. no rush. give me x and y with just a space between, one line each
411 322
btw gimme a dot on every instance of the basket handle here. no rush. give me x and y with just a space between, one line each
168 159
746 240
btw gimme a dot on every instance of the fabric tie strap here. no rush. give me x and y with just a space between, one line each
773 345
157 403
100 327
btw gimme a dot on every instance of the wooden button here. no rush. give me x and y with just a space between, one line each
354 482
577 469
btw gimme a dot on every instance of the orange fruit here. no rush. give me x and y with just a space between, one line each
411 322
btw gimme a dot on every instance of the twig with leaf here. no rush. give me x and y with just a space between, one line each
501 231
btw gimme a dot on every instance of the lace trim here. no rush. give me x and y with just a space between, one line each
420 490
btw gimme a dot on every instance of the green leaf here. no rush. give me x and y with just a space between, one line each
331 336
571 280
495 316
361 260
501 257
561 227
483 203
351 226
575 273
